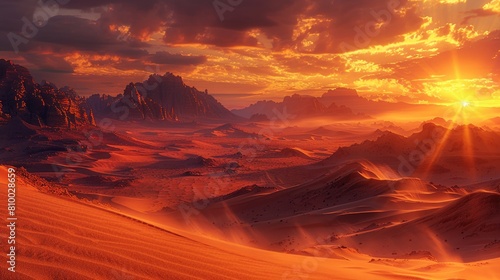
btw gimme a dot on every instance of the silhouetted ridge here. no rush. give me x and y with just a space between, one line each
298 106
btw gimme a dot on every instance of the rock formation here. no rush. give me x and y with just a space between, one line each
299 106
39 104
160 98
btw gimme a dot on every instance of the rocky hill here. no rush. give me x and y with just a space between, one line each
164 97
159 98
465 153
299 106
39 104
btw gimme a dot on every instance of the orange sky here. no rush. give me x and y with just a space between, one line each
437 51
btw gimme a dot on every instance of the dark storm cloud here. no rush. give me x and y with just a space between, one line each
142 5
11 13
200 23
76 32
341 25
21 32
353 24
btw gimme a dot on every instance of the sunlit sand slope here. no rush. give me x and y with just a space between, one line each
60 238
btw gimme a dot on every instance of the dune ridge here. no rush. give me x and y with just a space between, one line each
62 238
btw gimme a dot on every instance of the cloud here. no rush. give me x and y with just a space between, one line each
69 34
85 35
311 65
351 25
11 13
447 1
489 9
493 6
387 86
275 45
66 42
339 26
283 23
44 63
474 63
167 58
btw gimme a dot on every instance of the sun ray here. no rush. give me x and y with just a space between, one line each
468 152
456 65
440 146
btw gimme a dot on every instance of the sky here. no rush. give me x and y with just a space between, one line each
430 51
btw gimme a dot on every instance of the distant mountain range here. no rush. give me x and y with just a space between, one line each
167 97
300 106
339 103
462 153
159 98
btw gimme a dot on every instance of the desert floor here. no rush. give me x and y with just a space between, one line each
245 201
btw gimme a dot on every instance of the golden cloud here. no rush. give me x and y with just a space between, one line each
493 6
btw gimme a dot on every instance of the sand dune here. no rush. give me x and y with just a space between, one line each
465 230
227 130
288 153
355 208
112 138
461 155
61 238
323 131
366 208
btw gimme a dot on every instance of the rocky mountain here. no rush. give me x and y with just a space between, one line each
263 107
129 105
361 105
164 97
341 96
159 98
39 104
298 106
464 153
340 103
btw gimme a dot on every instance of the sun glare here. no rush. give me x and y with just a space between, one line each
467 111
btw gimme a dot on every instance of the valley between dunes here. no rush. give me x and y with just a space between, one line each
60 237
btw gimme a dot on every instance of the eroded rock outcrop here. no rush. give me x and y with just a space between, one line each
164 97
39 104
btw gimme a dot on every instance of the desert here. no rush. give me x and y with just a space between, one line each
237 139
